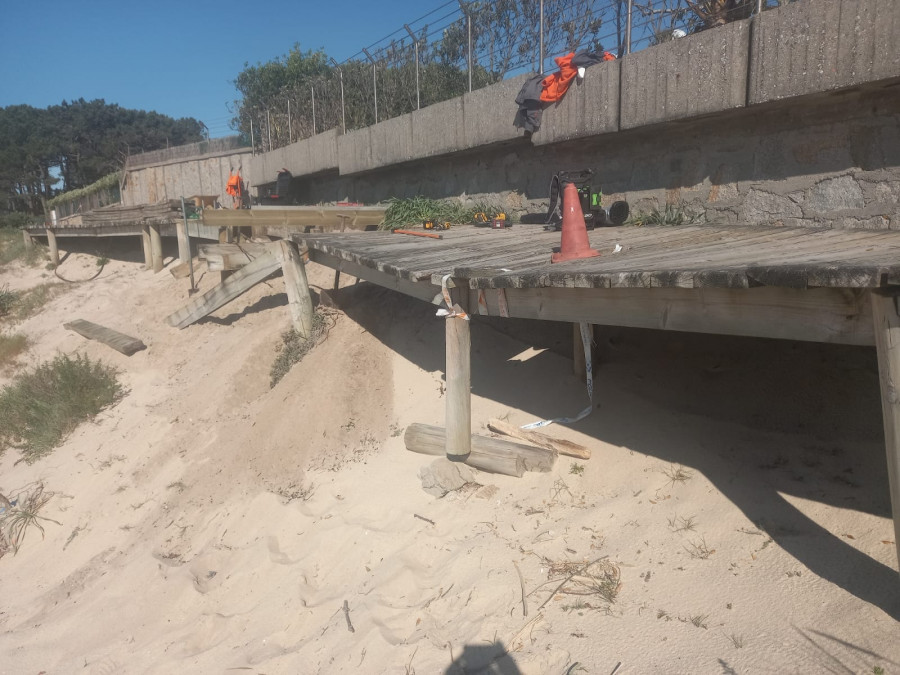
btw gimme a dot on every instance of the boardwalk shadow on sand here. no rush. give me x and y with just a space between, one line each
775 417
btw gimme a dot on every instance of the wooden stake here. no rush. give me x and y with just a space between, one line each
145 241
54 249
297 288
488 454
156 252
459 383
562 446
887 344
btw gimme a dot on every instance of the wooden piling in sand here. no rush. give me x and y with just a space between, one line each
145 242
887 343
459 385
156 252
54 249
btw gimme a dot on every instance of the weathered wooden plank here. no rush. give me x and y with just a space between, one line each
421 290
557 445
226 257
122 343
238 283
887 344
430 440
651 257
840 316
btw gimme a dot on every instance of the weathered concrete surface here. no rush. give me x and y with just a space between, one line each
811 47
833 161
311 155
588 109
697 75
173 180
474 120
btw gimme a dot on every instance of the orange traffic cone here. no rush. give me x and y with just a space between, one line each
575 242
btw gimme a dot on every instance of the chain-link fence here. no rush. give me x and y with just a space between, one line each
461 46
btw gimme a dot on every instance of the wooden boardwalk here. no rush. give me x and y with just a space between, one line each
650 257
839 286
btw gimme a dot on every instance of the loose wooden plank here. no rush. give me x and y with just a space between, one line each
238 283
430 440
227 257
887 344
122 343
558 445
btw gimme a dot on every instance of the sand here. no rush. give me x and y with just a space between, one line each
210 523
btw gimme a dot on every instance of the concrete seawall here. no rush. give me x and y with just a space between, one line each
791 117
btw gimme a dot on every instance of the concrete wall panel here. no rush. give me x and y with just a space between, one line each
697 75
308 156
808 47
588 109
488 113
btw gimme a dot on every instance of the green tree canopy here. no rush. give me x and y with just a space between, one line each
80 141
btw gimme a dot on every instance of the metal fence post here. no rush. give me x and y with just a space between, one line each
341 75
541 30
628 27
312 93
466 14
290 128
416 46
374 83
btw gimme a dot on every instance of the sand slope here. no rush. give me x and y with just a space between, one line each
212 524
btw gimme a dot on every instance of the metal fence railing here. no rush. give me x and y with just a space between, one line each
461 46
185 151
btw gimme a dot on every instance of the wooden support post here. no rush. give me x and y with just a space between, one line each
459 383
54 249
156 248
184 245
29 241
887 343
337 279
297 288
145 242
578 364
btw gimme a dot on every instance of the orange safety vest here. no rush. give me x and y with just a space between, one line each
234 184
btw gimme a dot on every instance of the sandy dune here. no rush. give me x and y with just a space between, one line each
211 524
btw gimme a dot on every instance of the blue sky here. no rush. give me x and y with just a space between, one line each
178 58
